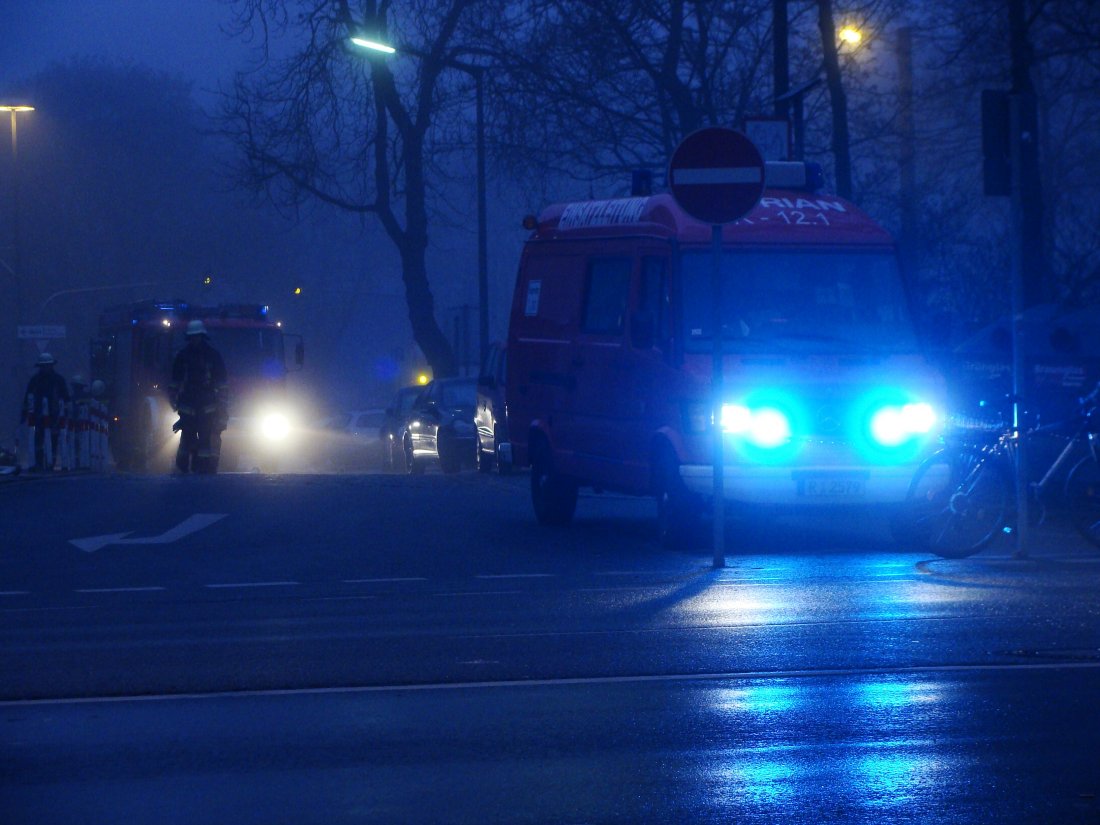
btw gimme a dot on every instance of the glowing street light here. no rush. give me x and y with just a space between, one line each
478 74
17 269
850 35
374 45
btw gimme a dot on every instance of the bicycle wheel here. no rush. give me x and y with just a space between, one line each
958 501
1083 498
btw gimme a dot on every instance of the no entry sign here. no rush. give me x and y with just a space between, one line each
716 175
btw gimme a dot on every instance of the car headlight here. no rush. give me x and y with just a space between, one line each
894 425
765 426
274 426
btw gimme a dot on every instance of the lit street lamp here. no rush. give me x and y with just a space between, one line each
17 269
850 36
478 74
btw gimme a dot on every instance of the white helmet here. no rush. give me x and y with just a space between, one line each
195 327
45 359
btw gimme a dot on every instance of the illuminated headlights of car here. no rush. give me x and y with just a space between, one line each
894 425
274 426
764 426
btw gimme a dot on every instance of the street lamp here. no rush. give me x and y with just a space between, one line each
478 74
850 35
17 269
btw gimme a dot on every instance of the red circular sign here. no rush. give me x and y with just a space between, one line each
716 175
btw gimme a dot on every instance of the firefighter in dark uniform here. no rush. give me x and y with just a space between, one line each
199 389
45 391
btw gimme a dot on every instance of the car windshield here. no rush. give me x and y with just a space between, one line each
801 300
460 394
250 351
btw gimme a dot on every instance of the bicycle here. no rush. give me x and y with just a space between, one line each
962 496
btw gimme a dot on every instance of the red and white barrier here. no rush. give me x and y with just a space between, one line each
26 434
81 429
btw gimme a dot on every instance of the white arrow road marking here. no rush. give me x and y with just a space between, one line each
189 525
716 175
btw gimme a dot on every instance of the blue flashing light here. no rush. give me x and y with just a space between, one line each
815 176
763 425
892 425
263 310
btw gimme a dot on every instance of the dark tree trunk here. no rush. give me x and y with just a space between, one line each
837 98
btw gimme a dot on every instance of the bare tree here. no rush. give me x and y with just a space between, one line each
321 119
837 97
592 89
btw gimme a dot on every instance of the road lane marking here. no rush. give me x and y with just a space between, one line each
485 593
581 681
515 576
252 584
189 525
382 581
15 592
117 589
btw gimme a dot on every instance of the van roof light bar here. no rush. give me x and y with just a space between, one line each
793 175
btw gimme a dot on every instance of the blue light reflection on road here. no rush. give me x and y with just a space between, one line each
880 755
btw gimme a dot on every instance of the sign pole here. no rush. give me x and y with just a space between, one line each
1020 475
716 175
719 516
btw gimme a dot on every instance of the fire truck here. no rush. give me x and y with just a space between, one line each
132 354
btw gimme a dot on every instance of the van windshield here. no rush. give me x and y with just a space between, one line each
802 301
250 351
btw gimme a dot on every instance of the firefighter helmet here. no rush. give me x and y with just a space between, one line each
195 327
45 360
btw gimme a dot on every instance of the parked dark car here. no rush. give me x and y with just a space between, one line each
494 451
441 426
392 430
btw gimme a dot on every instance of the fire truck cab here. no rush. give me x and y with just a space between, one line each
132 354
827 399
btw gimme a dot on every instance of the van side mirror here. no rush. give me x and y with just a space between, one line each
642 331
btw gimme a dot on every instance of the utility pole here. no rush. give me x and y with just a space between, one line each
837 99
781 72
1036 288
907 170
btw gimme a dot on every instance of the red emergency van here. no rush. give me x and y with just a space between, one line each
826 397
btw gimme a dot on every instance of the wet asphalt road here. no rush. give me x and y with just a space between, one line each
390 649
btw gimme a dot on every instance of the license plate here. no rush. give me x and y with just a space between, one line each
827 487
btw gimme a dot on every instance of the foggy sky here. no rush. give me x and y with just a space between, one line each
177 36
190 39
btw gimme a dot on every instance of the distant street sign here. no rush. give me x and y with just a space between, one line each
716 175
41 332
771 135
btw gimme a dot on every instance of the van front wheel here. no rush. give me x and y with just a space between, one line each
553 496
